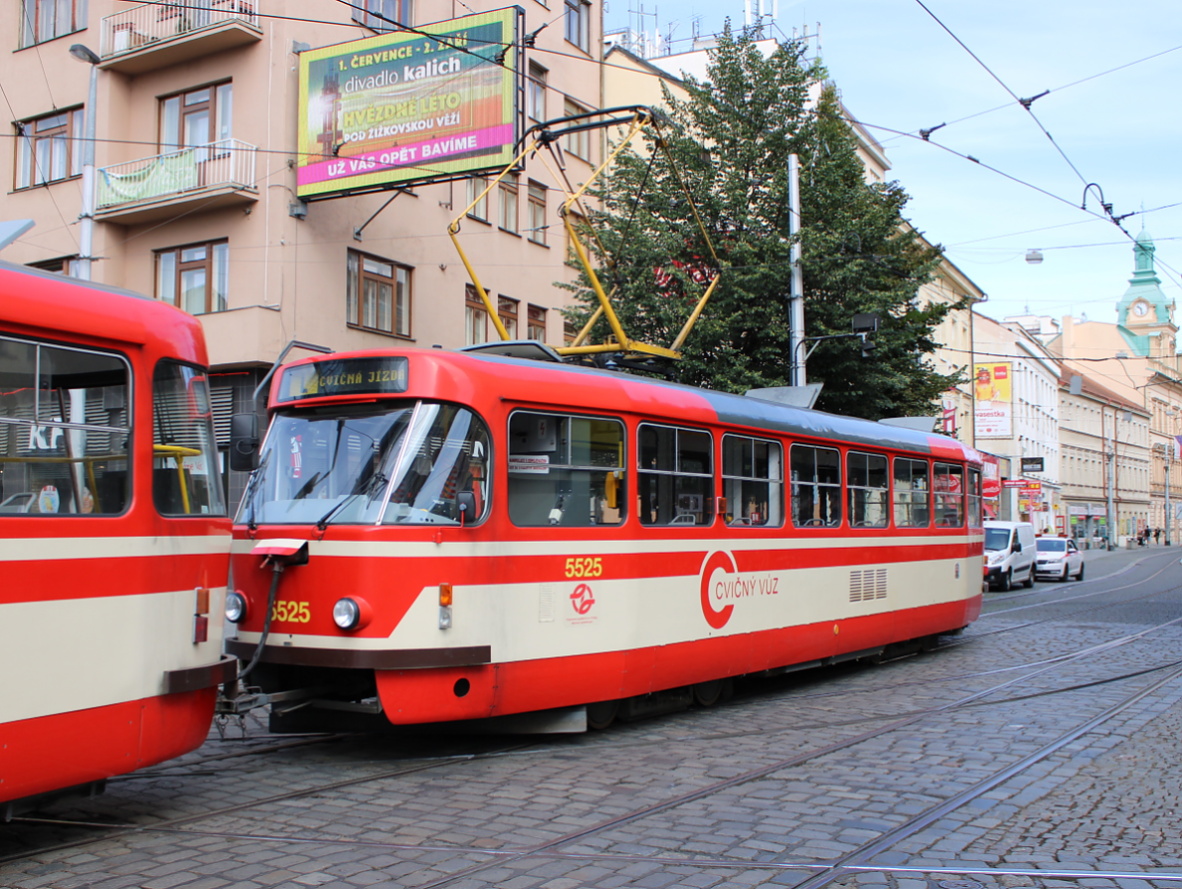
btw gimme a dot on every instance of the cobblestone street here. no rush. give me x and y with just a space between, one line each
1037 749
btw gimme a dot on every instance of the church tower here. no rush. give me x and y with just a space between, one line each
1145 315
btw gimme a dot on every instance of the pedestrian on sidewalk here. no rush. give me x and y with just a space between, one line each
1156 535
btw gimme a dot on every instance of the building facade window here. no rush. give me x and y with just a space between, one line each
65 265
384 15
577 143
507 311
537 212
196 118
535 93
475 189
507 210
578 223
377 294
475 318
47 19
195 277
49 148
536 324
578 24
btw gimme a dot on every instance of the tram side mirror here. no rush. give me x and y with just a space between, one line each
244 442
466 504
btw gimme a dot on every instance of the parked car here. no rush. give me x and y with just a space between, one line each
18 502
1058 558
1009 554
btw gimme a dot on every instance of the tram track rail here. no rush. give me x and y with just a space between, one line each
821 873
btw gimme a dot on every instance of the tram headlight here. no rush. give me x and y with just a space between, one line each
350 613
235 607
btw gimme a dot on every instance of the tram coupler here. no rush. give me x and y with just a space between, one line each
235 700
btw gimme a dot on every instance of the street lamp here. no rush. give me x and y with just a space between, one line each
86 232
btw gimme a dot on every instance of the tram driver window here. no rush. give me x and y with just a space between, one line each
752 481
675 478
65 430
439 463
868 492
565 470
816 487
911 493
948 487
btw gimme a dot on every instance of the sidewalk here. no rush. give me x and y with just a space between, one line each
1102 563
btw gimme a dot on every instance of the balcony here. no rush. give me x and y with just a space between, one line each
150 189
157 35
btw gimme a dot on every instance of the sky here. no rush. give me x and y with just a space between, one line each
1113 115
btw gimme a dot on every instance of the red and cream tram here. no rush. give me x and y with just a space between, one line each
114 539
436 536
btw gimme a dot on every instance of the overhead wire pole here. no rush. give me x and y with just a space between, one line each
796 286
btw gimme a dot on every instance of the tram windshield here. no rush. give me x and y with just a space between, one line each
400 462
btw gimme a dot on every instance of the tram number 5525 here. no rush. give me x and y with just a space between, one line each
584 566
291 612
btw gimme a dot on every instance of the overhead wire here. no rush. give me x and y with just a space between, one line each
580 57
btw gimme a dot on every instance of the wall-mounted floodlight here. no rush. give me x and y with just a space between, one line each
865 322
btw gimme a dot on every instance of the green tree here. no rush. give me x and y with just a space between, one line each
727 144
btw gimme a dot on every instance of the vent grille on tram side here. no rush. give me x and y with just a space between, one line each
867 584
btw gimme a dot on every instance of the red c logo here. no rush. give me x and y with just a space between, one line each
719 561
582 599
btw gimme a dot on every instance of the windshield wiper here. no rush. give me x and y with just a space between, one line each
252 489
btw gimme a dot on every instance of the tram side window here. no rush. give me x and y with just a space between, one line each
752 481
816 487
911 493
675 478
185 476
65 429
565 470
866 477
975 509
948 486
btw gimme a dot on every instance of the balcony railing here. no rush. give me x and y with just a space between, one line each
227 165
160 25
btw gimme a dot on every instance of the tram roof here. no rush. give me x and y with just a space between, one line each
54 304
551 385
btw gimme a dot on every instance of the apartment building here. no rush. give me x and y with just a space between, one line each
195 197
1016 414
1137 360
1105 458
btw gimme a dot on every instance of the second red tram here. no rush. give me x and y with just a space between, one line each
436 536
114 539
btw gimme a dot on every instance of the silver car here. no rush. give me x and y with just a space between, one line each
1058 558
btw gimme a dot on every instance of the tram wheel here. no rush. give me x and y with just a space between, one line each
707 694
602 714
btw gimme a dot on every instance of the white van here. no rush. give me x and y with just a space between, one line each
1009 554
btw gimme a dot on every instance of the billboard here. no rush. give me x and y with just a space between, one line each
993 400
408 107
